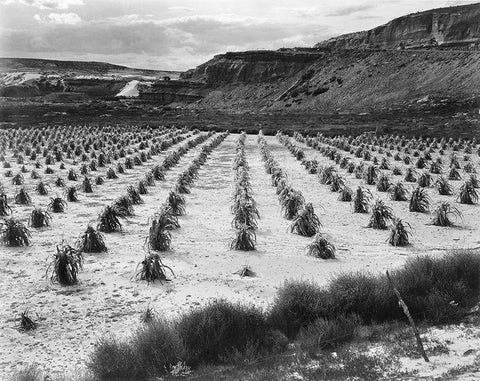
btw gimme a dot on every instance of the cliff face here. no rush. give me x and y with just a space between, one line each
454 26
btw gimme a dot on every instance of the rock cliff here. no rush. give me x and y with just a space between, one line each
445 27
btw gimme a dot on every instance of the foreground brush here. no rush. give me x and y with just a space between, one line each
399 233
14 233
66 264
306 223
152 269
91 241
321 247
443 213
39 218
245 239
381 216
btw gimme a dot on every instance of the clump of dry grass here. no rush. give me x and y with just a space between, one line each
306 223
39 218
443 213
321 247
91 241
399 233
152 269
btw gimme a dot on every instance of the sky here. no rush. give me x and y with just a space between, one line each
179 35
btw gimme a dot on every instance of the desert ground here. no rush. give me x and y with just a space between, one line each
109 298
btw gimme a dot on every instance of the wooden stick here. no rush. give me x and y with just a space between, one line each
412 323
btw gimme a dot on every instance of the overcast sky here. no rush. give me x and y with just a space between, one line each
178 35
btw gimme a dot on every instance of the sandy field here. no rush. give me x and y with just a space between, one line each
108 299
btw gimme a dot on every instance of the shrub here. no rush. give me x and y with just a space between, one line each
381 215
26 322
425 180
142 187
215 332
346 194
245 239
59 182
91 241
399 233
306 223
468 194
111 174
398 192
321 247
134 195
39 218
87 185
443 213
22 197
99 180
5 209
410 175
72 175
371 174
454 174
14 233
42 188
67 262
383 183
109 220
18 179
152 269
361 201
159 237
291 202
443 186
71 194
124 206
57 205
325 334
176 203
336 183
419 201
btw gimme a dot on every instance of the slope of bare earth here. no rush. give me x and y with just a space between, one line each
340 81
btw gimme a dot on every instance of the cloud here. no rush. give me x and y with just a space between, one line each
46 4
180 9
59 19
345 11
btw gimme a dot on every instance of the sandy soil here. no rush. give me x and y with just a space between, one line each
108 299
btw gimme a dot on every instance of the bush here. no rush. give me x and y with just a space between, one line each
18 179
124 206
71 194
346 194
321 247
39 218
398 192
306 223
443 186
159 237
22 197
425 180
245 239
468 194
42 188
443 213
383 183
109 220
5 209
213 333
361 201
134 195
142 187
67 262
410 175
87 185
14 233
328 334
381 215
57 205
59 182
291 202
176 203
420 201
399 233
152 269
111 174
91 241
